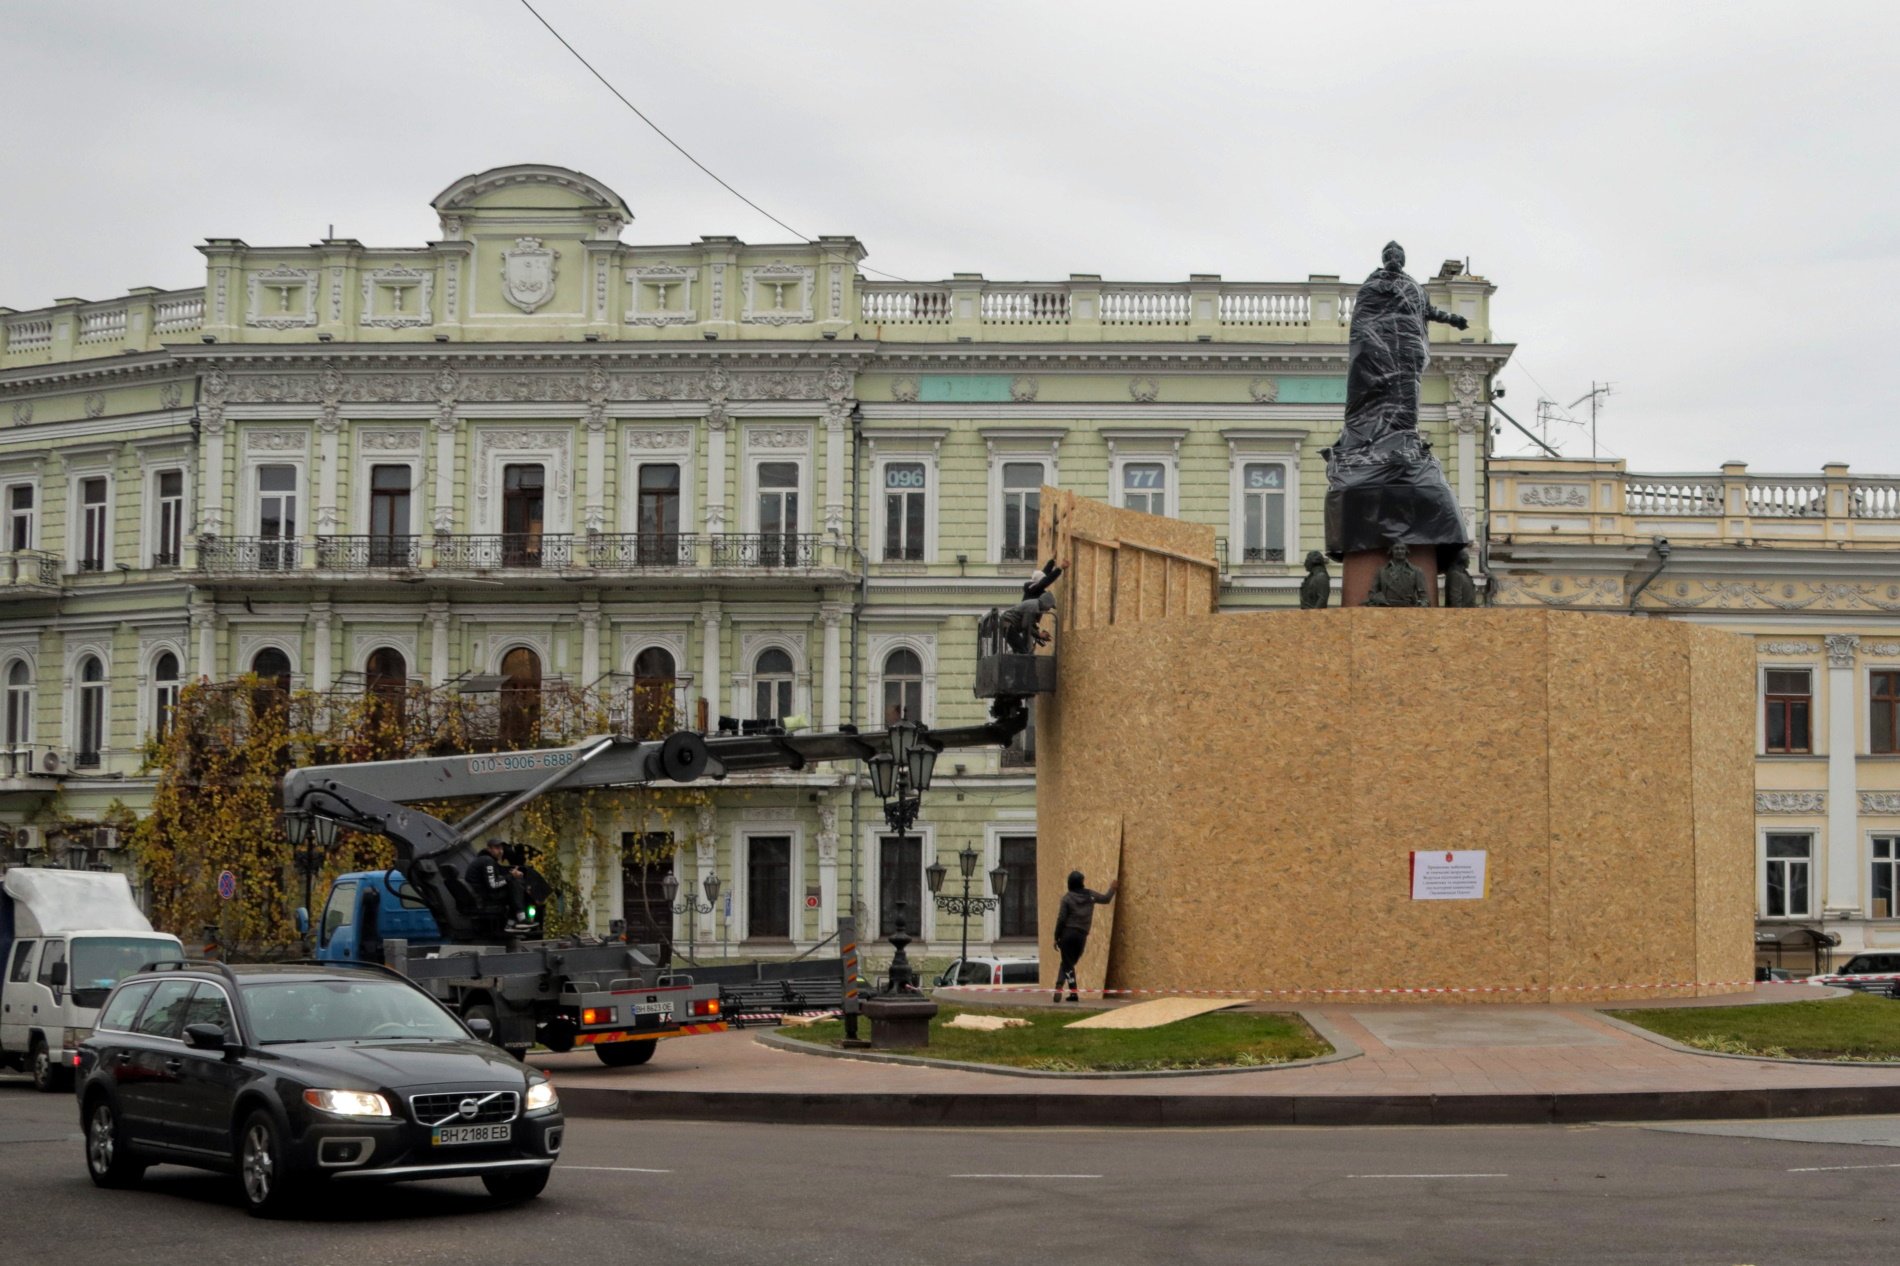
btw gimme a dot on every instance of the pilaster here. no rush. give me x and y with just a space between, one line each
1843 822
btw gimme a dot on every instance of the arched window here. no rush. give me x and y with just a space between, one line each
19 704
520 697
772 685
164 692
92 713
653 682
903 687
272 668
388 676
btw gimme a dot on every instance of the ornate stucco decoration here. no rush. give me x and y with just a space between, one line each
390 441
1144 390
262 441
640 438
282 298
904 390
1596 591
23 412
1886 802
661 294
1023 388
777 294
1788 648
171 395
1264 389
1741 595
95 404
406 309
1564 496
528 272
778 437
1840 649
1467 410
1881 648
1791 802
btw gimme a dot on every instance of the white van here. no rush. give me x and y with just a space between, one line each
66 937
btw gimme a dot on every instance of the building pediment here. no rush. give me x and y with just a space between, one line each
530 186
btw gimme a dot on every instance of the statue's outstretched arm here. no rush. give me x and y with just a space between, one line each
1439 315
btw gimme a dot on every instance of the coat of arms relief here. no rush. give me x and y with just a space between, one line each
528 272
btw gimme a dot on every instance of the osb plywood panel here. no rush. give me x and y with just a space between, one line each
1123 566
1092 844
1152 1015
1722 729
1272 772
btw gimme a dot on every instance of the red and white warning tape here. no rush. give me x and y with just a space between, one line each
1417 989
761 1017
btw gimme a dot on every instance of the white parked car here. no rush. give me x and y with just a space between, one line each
990 971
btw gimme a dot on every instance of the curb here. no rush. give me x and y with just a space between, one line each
1035 1108
1649 1035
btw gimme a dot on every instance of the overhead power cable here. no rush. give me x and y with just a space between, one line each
661 133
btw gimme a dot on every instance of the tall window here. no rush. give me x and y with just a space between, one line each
171 518
768 895
904 512
1789 864
643 902
657 522
778 513
1145 487
903 687
1885 890
523 499
389 516
164 693
653 683
900 877
277 518
520 697
1263 512
19 704
1883 712
772 685
272 668
387 674
1022 504
92 526
1018 857
1788 696
92 712
20 532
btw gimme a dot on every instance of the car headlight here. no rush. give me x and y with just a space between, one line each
541 1096
348 1103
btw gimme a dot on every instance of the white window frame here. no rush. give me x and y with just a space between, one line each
878 648
155 515
32 514
790 679
753 645
1244 448
364 461
742 832
149 684
648 446
1040 445
997 494
76 656
993 833
1763 861
1893 860
749 520
31 692
252 508
1146 446
880 467
926 832
1817 727
76 519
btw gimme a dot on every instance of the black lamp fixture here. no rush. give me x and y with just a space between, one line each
966 905
670 886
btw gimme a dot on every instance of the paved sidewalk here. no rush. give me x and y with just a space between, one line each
1414 1062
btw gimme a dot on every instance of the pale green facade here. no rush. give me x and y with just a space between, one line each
788 397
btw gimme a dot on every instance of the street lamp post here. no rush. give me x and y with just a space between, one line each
671 887
966 905
900 779
311 837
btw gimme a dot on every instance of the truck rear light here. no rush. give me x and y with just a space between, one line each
706 1006
597 1015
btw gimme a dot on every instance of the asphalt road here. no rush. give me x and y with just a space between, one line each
667 1192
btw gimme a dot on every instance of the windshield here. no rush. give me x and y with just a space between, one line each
100 962
344 1010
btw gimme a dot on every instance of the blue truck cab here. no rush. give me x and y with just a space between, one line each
369 907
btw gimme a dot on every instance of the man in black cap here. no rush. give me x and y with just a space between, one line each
1072 927
496 883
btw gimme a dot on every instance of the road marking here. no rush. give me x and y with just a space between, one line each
1428 1175
616 1169
1830 1169
1025 1175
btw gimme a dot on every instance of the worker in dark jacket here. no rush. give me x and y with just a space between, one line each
1072 927
496 883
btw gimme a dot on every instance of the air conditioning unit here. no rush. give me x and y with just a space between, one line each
29 839
55 764
105 837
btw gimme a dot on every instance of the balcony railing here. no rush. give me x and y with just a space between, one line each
249 554
508 550
1320 302
766 550
368 553
1869 499
1024 553
629 551
1664 497
33 567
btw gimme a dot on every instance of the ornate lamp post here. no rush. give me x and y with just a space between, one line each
671 887
900 1016
966 905
311 837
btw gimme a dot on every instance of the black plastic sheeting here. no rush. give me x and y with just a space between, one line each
1382 483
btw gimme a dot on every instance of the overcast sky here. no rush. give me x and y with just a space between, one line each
1691 201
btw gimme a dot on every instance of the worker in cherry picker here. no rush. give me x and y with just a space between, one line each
497 882
1021 624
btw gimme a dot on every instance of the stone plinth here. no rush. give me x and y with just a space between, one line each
899 1023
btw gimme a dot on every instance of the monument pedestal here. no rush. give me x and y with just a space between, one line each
1362 566
900 1023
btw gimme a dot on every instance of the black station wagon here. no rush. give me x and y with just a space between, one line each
291 1075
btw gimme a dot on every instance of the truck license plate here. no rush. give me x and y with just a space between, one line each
653 1008
450 1135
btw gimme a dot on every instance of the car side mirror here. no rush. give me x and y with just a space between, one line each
302 918
205 1037
482 1029
58 977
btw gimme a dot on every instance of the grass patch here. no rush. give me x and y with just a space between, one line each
1858 1028
1215 1040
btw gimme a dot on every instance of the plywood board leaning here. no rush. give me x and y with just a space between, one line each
1092 844
1152 1015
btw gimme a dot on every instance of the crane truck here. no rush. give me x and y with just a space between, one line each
422 917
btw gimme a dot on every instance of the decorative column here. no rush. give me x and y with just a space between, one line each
827 870
594 513
320 645
204 629
590 641
709 620
211 471
1467 423
832 614
443 512
837 411
716 425
329 424
1843 822
438 643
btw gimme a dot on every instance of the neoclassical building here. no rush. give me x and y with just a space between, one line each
529 455
1808 566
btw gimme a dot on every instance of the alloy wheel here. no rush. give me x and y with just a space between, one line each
99 1140
258 1165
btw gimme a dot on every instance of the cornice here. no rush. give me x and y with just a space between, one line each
138 367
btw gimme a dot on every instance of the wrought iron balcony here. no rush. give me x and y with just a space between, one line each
507 550
766 549
249 554
629 551
368 553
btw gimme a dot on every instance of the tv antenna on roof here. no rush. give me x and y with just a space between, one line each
1598 391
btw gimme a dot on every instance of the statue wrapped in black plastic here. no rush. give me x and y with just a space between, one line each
1383 486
